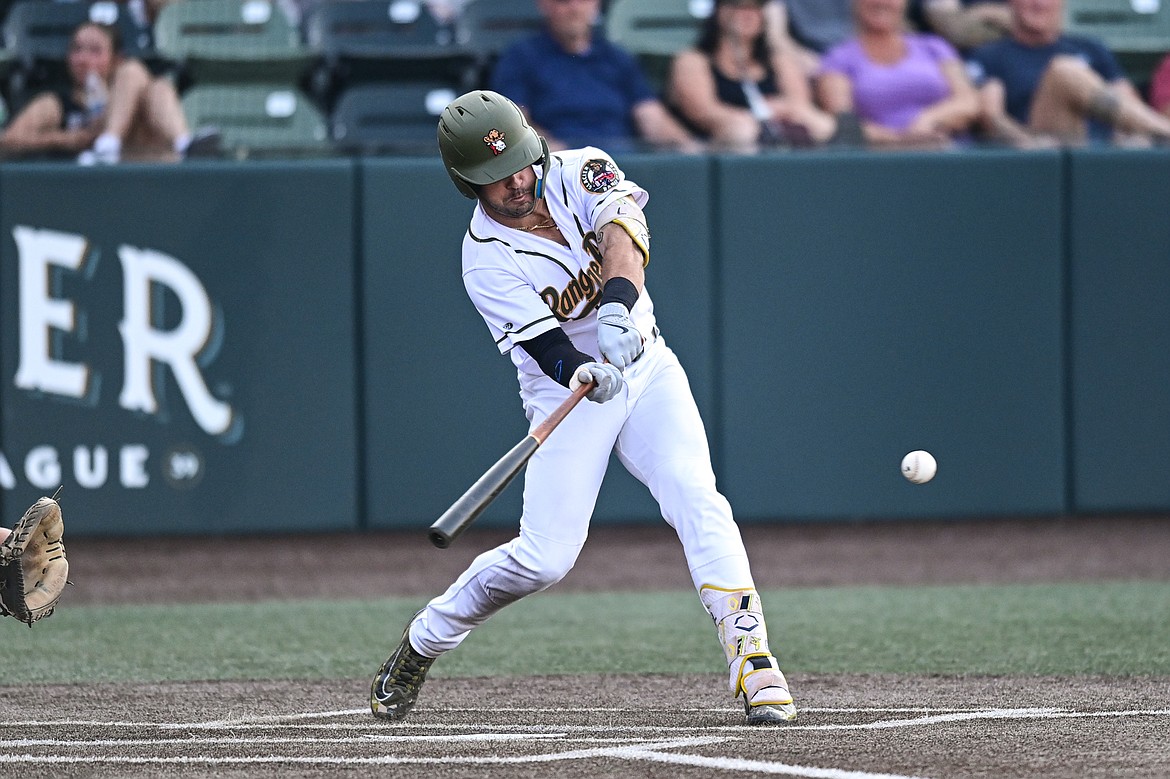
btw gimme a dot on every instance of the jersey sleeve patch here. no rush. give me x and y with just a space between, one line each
599 175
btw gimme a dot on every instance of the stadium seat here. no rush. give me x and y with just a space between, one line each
656 27
379 40
258 118
656 30
36 40
398 117
218 41
485 28
1126 26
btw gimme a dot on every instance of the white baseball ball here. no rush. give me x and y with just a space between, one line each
919 466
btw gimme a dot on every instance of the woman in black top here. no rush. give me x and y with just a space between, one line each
742 85
111 109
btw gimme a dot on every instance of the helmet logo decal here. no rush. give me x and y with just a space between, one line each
495 141
599 175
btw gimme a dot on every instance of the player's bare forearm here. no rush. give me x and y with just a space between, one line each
621 257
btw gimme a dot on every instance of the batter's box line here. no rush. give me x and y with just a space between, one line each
987 714
559 710
365 739
365 712
648 752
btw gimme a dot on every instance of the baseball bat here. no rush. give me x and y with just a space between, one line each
488 487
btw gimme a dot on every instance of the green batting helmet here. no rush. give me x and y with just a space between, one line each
484 137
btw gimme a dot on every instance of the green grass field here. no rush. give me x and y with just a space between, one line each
1120 628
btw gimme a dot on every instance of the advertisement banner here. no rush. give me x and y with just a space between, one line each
177 346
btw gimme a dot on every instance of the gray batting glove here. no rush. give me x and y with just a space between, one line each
617 338
606 379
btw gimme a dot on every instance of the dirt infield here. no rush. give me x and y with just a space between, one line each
851 727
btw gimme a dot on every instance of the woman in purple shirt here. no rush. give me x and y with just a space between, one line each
908 89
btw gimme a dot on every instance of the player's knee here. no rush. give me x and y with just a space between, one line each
554 567
540 562
690 477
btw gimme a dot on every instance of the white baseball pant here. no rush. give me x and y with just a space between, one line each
655 428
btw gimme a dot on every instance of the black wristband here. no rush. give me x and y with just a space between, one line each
619 289
556 355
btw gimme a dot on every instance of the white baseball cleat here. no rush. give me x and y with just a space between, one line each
766 699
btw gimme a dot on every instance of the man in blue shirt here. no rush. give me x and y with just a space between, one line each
1042 87
578 88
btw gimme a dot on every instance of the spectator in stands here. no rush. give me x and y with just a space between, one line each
819 25
967 24
908 89
779 26
111 109
1160 87
1040 86
738 89
577 87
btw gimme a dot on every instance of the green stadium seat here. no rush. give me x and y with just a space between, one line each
257 119
1126 26
231 40
398 117
379 40
655 30
656 27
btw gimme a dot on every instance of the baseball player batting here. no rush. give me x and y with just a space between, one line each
554 261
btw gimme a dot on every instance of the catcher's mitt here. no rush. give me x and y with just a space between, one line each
33 568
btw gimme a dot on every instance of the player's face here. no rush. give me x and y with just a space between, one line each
513 197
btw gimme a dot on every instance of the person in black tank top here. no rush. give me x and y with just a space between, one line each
731 91
111 109
742 87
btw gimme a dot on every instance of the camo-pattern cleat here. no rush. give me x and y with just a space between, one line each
396 687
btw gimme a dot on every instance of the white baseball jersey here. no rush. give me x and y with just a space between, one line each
524 285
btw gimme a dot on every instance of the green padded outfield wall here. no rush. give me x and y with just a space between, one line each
441 403
875 304
177 346
1119 249
220 347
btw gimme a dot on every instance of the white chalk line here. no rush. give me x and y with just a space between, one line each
755 766
547 710
624 748
643 752
445 738
284 720
575 754
531 728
